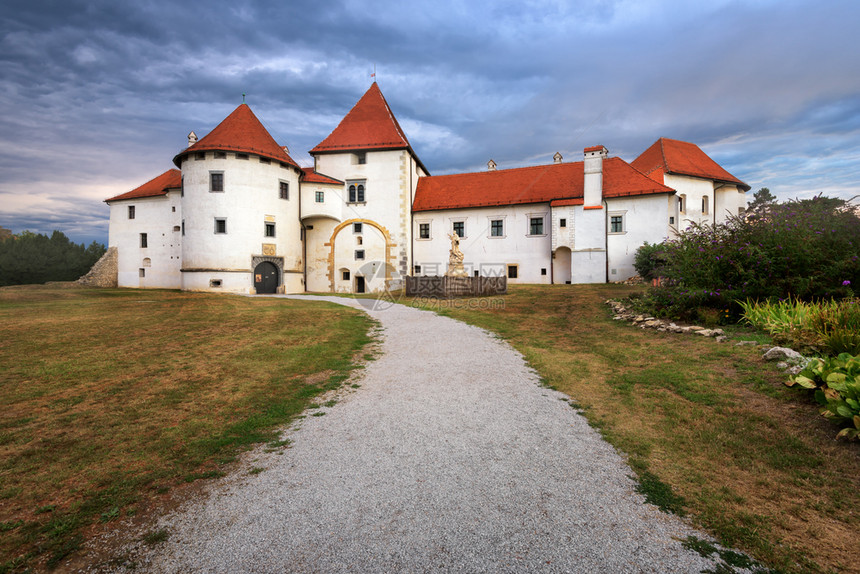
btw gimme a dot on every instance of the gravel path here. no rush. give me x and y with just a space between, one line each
450 458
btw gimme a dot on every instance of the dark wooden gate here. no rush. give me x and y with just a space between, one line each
266 278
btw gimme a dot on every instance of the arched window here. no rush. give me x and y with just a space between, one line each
360 193
705 204
147 262
352 193
682 203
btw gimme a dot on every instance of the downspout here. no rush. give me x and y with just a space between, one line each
606 235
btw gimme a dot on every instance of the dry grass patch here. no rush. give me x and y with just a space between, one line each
751 460
111 396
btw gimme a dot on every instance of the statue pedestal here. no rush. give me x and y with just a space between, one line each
456 270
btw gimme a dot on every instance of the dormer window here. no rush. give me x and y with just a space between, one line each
241 156
220 155
200 155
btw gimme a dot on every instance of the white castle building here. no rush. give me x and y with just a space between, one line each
240 215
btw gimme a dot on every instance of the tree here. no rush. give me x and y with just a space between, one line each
36 258
5 233
761 199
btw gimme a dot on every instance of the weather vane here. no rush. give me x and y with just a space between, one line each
373 75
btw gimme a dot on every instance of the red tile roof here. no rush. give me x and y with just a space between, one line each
368 125
170 179
313 177
682 158
241 132
539 184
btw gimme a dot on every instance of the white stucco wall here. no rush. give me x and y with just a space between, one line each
250 199
160 218
644 219
487 255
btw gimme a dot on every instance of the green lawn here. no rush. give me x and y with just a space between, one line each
709 428
111 397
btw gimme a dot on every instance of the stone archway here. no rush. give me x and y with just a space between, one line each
332 277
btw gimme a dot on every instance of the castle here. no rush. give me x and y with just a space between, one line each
240 215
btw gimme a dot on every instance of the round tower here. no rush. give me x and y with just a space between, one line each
241 230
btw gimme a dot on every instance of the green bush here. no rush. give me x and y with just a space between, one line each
35 258
649 260
805 249
836 382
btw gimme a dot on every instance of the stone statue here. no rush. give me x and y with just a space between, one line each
455 258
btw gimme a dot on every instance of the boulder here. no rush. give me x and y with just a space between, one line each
782 354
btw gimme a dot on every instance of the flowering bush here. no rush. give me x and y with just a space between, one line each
804 249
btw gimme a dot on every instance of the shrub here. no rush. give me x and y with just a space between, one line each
836 383
649 260
804 249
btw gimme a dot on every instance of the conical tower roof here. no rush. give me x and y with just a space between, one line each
369 125
241 132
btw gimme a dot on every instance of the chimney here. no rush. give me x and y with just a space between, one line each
286 149
593 175
192 139
557 157
491 165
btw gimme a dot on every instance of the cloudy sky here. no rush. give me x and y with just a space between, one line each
97 97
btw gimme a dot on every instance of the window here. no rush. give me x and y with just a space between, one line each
265 160
183 227
705 205
543 270
356 191
320 196
182 187
424 231
220 155
141 272
617 223
131 212
270 229
512 271
176 228
535 225
460 228
416 269
215 283
672 220
216 181
346 275
173 209
359 240
356 228
200 155
562 222
147 262
241 156
497 228
682 203
359 253
283 190
477 273
143 242
361 158
220 225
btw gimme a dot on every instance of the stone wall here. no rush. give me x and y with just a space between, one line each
104 272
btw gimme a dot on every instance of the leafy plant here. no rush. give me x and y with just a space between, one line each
649 260
836 382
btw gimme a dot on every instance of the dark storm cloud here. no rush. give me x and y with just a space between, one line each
99 96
